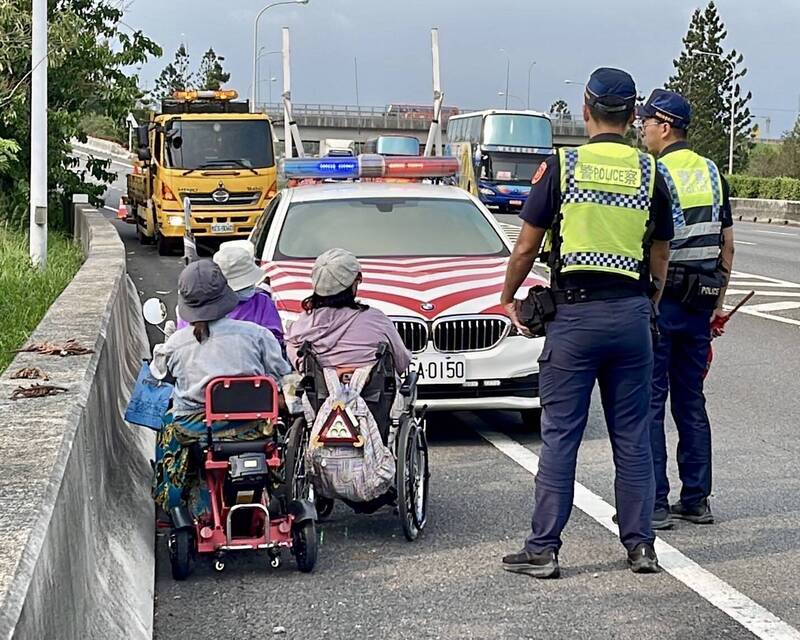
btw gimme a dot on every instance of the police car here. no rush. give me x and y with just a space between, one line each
433 259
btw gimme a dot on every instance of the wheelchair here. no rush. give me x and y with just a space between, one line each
405 437
248 510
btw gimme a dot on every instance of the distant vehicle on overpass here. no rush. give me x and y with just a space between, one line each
393 146
420 111
499 151
336 147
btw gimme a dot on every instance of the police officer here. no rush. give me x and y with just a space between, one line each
607 208
701 258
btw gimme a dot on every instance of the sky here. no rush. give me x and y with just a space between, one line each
391 42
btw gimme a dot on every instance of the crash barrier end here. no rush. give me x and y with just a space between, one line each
76 532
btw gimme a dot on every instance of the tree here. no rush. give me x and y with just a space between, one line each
777 161
560 107
88 55
705 81
175 76
211 76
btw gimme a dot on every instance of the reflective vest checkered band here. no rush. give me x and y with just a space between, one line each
678 221
595 259
574 194
716 189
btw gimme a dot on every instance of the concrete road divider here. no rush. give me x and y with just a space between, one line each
104 148
760 210
76 531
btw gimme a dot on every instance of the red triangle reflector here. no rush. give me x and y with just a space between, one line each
340 428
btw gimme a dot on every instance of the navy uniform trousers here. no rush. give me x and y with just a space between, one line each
607 341
680 364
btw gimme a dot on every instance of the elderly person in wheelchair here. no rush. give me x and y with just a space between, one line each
361 440
211 346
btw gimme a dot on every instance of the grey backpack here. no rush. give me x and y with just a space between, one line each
346 457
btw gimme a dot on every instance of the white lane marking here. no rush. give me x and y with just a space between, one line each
748 613
773 294
777 233
511 230
743 242
774 306
759 314
735 282
111 209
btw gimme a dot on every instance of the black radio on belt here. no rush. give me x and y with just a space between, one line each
695 289
537 309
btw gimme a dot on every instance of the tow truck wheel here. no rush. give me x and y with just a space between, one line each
164 245
141 237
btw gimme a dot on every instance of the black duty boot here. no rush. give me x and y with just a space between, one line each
536 565
661 521
699 513
643 559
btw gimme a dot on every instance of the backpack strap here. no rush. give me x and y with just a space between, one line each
332 381
360 378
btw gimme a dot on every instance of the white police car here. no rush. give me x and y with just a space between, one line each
433 259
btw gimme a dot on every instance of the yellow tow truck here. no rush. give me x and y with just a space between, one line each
204 146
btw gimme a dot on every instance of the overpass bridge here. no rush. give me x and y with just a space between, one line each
358 123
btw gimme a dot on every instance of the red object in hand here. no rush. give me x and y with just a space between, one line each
718 326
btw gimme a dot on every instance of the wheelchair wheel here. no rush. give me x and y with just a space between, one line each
181 553
304 545
412 478
297 481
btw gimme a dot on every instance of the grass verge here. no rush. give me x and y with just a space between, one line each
27 293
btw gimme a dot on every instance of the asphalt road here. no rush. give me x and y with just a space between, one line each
371 583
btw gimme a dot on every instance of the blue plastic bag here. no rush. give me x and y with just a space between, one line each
149 400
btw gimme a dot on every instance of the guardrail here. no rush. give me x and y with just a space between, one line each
369 117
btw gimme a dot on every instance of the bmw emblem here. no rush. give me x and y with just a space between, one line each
427 306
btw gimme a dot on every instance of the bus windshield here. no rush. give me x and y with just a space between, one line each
519 130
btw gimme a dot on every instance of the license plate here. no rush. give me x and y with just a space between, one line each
222 227
515 203
440 369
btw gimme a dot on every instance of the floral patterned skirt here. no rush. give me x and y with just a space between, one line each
177 478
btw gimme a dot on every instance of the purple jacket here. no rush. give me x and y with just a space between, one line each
259 309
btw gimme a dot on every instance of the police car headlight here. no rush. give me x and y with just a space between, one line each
175 221
486 192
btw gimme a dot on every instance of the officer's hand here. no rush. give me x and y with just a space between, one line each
512 311
718 320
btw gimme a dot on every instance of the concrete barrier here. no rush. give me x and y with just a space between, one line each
758 210
103 147
76 531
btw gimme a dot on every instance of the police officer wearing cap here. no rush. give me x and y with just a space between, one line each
701 258
607 211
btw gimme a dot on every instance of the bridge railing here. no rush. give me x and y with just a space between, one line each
383 117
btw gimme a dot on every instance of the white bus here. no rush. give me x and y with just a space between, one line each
499 151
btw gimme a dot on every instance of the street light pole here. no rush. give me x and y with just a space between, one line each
254 85
530 68
508 72
38 193
262 54
733 101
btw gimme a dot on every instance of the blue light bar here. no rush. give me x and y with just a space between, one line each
341 168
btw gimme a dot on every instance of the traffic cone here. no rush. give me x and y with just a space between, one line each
122 210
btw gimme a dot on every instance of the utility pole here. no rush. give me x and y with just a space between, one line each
38 203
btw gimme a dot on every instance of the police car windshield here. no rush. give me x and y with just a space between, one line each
218 144
518 130
388 227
